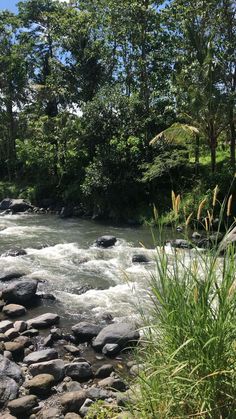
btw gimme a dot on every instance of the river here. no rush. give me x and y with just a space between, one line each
89 283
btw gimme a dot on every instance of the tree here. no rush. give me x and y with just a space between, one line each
13 83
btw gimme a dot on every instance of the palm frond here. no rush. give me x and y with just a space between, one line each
177 132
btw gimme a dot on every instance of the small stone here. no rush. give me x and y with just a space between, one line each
22 405
2 304
48 341
112 383
72 386
40 384
5 325
49 413
24 340
73 401
11 334
104 371
73 350
8 355
14 310
20 326
3 337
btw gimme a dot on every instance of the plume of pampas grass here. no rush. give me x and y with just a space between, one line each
201 205
229 205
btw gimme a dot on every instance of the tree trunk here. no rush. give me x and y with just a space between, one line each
197 153
213 155
11 147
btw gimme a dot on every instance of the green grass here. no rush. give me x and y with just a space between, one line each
189 351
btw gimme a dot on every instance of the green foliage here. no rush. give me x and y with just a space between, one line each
189 349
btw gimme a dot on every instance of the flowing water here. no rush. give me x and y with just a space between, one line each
88 282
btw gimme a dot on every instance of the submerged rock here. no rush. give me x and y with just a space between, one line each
20 291
121 334
11 275
106 241
140 259
14 253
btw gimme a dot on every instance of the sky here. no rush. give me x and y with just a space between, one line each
8 4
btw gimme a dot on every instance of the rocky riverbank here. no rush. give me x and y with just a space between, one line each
46 375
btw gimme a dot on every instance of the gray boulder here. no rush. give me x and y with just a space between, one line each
41 356
5 325
181 244
41 384
104 371
20 292
80 371
106 241
55 367
45 320
8 389
122 334
10 369
85 331
229 239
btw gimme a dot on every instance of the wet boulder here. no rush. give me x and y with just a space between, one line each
106 241
14 253
41 356
180 244
43 321
121 334
140 259
15 205
8 276
85 331
20 292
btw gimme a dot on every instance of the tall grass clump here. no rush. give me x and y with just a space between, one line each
189 350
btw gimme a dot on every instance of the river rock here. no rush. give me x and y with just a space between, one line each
104 371
121 334
11 275
50 413
15 205
20 326
41 384
5 325
55 367
23 405
30 333
96 393
41 356
140 259
11 334
73 350
2 304
73 401
85 331
3 338
112 383
72 415
16 349
229 239
111 349
45 320
80 371
85 408
106 241
20 292
8 389
10 369
181 244
14 253
71 386
14 310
